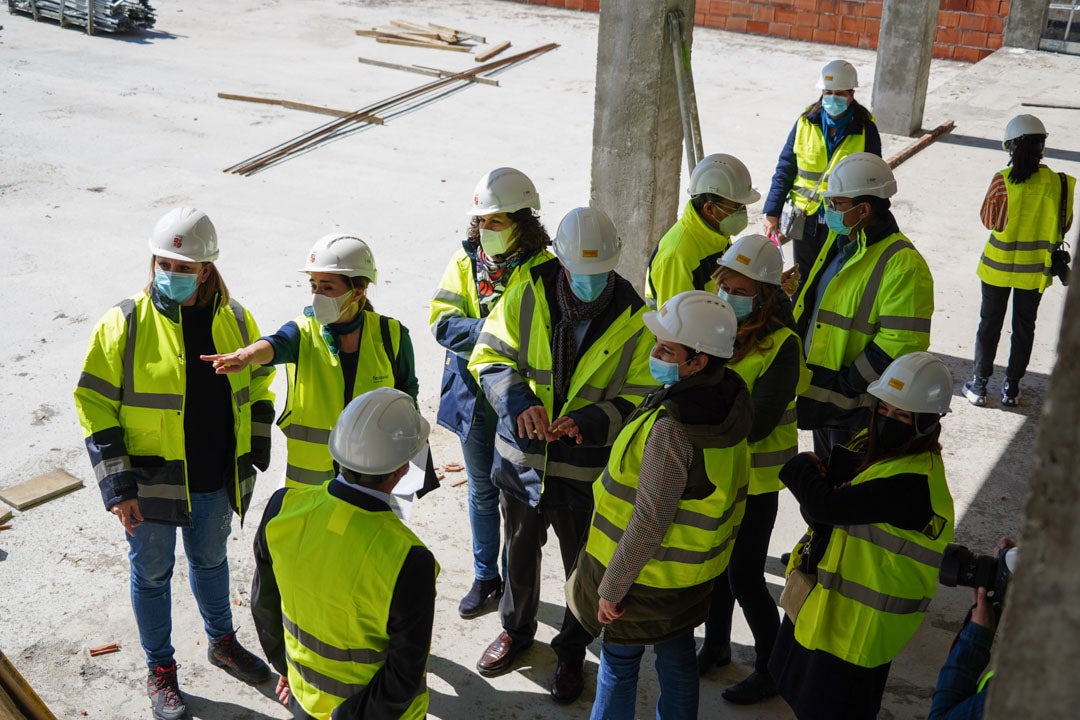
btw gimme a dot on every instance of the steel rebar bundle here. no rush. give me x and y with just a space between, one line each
108 15
336 128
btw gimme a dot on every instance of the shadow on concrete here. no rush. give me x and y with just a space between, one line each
200 708
995 144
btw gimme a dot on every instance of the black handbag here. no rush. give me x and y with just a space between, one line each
1060 259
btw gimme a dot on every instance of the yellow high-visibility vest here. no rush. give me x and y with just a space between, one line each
812 158
684 259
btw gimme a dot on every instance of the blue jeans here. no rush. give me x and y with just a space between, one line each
616 680
478 450
152 555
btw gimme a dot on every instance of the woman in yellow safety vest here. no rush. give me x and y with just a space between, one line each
768 356
338 349
175 445
861 579
505 240
1028 210
830 129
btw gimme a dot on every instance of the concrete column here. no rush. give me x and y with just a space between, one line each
1025 24
637 131
903 64
1036 653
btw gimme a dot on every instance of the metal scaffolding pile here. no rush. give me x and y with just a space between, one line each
109 15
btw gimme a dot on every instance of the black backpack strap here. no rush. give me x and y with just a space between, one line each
388 346
1062 205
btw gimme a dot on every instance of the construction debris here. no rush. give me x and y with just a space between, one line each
425 70
4 515
114 16
5 527
921 143
459 482
401 32
402 102
488 54
105 649
18 700
453 467
290 105
39 489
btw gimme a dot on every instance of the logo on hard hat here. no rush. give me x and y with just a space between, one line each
475 199
312 257
828 78
896 384
590 253
178 241
743 259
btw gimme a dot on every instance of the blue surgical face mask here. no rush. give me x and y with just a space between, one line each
741 304
835 220
178 287
835 105
588 287
666 373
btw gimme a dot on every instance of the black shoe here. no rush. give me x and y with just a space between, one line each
568 682
229 655
166 702
975 391
476 600
1010 394
754 689
710 656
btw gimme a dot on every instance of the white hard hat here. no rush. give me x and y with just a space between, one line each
756 257
917 382
698 320
378 432
861 173
586 242
723 175
838 75
1022 125
342 255
503 190
185 233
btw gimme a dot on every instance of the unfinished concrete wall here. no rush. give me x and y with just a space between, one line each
903 64
1027 20
1036 651
637 130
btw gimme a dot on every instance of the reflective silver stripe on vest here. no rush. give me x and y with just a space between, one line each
1033 268
308 477
623 368
772 459
664 553
683 516
516 456
896 545
261 371
260 429
163 491
332 652
525 316
497 344
790 415
102 387
843 402
238 313
325 683
861 320
806 193
901 322
131 398
452 298
870 598
573 472
1021 245
111 466
591 393
866 370
242 396
247 484
506 382
808 174
306 433
642 390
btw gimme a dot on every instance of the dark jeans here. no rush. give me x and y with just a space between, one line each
995 300
806 249
526 533
744 580
826 438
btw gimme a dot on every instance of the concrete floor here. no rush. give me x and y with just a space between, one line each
102 135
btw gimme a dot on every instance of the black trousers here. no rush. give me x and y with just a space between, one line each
526 533
744 580
995 301
806 249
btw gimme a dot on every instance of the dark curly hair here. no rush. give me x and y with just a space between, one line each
1025 154
530 237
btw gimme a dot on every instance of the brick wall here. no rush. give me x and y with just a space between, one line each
968 30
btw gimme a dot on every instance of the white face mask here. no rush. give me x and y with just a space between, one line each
497 242
329 309
734 223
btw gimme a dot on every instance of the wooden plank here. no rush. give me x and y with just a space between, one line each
379 32
411 43
488 54
425 70
21 693
8 709
292 105
483 80
921 143
39 489
1057 104
5 513
418 29
460 33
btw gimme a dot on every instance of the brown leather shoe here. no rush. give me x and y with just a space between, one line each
500 654
568 683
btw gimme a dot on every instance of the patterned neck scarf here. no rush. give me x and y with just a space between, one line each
491 277
574 310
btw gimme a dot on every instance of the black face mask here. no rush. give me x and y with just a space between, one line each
891 433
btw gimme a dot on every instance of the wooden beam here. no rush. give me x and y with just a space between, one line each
460 33
1051 104
292 105
39 489
18 690
488 54
921 143
412 43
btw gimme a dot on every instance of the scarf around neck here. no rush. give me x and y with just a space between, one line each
492 276
574 310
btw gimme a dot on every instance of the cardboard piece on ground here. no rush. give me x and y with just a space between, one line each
39 489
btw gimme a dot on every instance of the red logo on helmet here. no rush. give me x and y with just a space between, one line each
475 199
313 257
177 241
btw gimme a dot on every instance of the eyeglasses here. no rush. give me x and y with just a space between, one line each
844 204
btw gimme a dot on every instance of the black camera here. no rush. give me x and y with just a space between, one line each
1059 264
960 566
